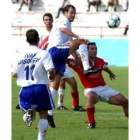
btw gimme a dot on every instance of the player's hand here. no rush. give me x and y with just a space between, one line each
51 78
112 76
52 74
86 40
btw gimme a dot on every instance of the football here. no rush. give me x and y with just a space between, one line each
113 21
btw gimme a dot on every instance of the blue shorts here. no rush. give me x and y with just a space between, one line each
59 55
36 96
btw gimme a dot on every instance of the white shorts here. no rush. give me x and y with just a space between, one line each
104 92
68 73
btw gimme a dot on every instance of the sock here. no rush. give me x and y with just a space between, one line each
50 112
24 116
53 93
90 115
42 129
84 56
75 99
61 93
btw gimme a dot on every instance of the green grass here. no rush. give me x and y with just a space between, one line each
111 122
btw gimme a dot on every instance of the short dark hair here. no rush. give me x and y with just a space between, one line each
91 43
48 15
32 36
67 7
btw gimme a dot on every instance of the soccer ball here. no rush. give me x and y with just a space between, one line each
113 21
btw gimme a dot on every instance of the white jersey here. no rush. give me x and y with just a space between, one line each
44 38
31 66
56 36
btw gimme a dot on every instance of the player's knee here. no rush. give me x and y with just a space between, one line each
91 98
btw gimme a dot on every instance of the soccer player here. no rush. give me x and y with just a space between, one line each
31 70
59 54
68 76
44 37
95 86
61 33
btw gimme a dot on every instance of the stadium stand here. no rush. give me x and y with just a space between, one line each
91 25
88 24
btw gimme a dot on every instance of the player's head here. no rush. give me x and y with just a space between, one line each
32 37
69 11
92 50
48 20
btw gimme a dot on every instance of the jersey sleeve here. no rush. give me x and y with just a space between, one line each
72 64
103 63
47 62
63 24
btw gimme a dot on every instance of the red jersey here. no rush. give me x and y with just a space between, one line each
92 80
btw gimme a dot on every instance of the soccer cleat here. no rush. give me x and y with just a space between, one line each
51 121
91 126
17 106
91 70
29 117
78 108
61 108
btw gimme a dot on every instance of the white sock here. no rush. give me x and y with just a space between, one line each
50 112
84 56
61 93
42 129
24 116
53 93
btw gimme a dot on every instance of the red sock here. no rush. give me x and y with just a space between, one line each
75 99
90 115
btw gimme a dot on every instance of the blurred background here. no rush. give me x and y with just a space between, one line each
90 22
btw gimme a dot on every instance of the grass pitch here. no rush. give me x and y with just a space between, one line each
111 124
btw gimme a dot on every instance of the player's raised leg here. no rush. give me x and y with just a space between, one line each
81 44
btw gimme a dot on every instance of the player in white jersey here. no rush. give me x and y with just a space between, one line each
68 76
62 33
44 38
31 70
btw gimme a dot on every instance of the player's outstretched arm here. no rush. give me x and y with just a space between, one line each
68 32
111 74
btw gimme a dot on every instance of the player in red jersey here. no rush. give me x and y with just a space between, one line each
95 85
